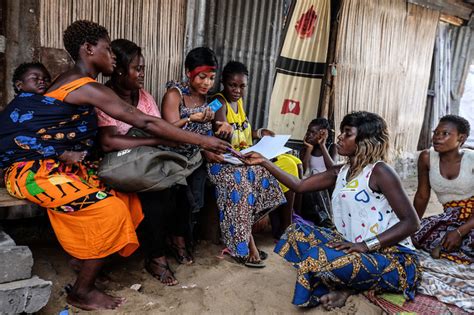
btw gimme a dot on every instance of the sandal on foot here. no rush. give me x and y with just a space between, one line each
255 264
247 263
163 275
68 288
181 259
262 254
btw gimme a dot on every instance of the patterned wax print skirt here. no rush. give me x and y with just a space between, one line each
244 195
321 268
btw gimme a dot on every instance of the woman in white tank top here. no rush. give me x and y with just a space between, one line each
370 248
449 171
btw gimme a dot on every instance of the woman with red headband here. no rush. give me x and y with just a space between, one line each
244 193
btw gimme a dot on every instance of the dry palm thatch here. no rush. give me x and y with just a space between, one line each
157 26
383 58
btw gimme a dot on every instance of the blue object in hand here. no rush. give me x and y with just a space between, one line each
215 105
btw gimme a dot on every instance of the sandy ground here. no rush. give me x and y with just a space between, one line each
210 286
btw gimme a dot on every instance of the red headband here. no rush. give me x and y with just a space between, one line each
200 69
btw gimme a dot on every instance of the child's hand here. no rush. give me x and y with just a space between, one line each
71 157
323 136
307 143
267 132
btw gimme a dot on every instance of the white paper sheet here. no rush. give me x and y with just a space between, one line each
269 147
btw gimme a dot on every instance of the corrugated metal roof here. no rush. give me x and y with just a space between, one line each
242 30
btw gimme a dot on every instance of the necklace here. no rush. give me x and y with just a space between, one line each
193 102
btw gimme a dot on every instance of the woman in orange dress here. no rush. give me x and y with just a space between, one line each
90 222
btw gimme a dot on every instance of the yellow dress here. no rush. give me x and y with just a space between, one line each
242 138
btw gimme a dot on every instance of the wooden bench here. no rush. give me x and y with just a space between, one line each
8 201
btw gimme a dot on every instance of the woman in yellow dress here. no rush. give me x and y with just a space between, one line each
234 81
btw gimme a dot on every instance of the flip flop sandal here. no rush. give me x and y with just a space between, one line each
250 264
255 264
68 288
162 276
262 254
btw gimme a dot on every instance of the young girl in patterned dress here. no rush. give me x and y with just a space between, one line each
371 248
234 82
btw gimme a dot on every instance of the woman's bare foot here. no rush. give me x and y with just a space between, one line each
334 299
94 300
159 269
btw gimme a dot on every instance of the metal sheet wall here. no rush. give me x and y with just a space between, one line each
246 31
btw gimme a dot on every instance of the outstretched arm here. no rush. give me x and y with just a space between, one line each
106 100
422 195
110 140
319 181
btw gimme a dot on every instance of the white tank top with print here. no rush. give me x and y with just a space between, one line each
359 212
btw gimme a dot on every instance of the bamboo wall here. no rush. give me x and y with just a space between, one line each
157 26
383 57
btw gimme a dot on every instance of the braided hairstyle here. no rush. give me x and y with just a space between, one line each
80 32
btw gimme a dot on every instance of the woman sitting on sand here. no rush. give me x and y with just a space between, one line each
90 222
448 170
371 248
